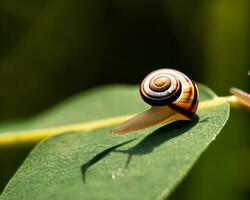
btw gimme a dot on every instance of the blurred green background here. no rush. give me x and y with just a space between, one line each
52 49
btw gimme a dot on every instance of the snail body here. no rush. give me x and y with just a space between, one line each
172 95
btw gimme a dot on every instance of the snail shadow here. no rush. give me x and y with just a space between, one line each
99 156
146 145
158 137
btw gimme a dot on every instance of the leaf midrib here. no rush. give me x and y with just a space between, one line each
33 136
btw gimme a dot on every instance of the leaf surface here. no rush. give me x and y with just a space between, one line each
147 164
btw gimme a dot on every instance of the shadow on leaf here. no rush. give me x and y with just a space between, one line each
99 156
146 145
158 137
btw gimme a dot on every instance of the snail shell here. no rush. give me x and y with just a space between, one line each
172 95
168 87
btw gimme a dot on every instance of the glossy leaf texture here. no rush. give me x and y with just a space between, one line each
146 164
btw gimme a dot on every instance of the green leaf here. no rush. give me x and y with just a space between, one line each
147 164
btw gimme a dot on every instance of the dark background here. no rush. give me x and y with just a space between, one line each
52 49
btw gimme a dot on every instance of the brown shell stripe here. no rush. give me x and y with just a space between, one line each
190 113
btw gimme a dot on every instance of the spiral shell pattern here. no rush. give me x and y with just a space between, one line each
169 87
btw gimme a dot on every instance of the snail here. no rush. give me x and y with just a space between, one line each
172 95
